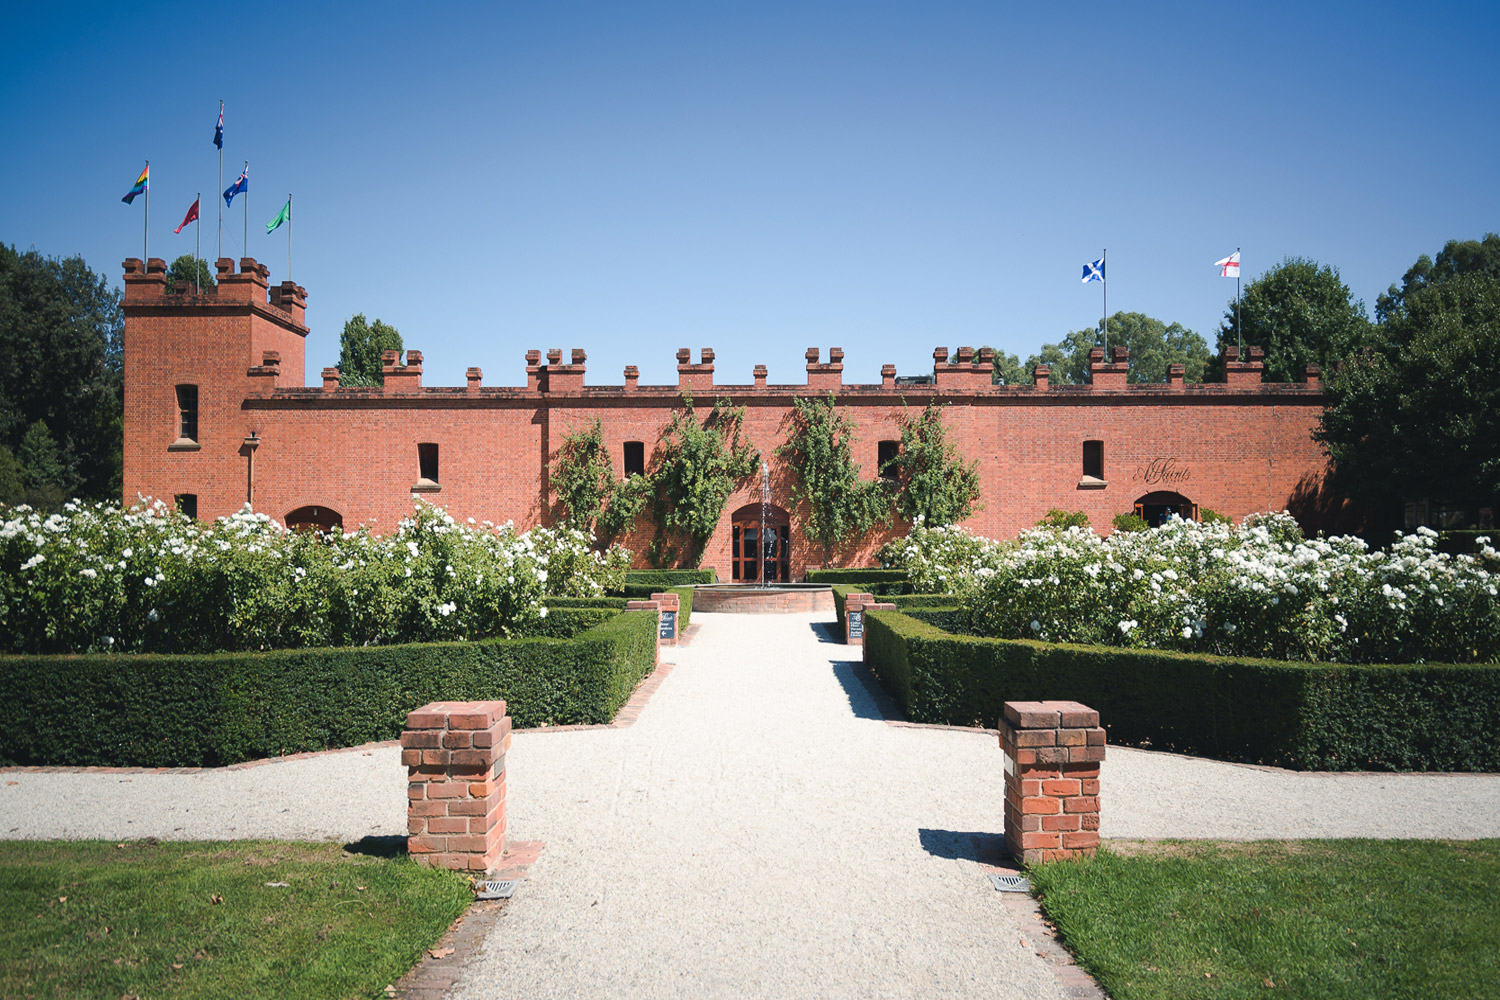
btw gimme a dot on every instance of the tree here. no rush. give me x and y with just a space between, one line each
1301 313
1153 345
933 483
61 334
1415 418
699 466
841 507
183 270
1009 370
583 476
361 346
44 474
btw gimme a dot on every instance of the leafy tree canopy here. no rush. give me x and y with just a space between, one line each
60 334
933 482
841 507
181 273
1153 345
1301 313
1416 418
360 347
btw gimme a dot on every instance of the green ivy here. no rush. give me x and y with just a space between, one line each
840 506
935 484
700 466
583 476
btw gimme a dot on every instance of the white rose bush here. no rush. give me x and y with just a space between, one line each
98 578
1256 589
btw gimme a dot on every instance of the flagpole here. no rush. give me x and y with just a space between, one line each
198 246
289 237
146 224
1239 323
246 244
1104 265
220 187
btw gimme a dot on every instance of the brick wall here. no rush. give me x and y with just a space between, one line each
1236 448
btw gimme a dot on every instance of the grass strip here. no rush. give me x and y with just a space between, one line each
1329 919
162 920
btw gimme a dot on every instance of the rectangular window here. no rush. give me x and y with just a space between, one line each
885 454
187 504
187 412
635 458
427 460
1093 459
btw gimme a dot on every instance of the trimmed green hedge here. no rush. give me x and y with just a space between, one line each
1309 716
661 579
222 708
870 580
618 603
903 601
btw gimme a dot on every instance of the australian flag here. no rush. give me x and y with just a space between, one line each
219 129
243 184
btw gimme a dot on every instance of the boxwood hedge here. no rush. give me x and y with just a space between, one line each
206 710
661 579
903 601
872 580
1309 716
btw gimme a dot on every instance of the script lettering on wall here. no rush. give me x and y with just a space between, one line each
1165 471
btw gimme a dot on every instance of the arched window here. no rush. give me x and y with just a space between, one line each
314 519
1154 508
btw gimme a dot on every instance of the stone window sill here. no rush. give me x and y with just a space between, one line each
1091 483
427 486
184 444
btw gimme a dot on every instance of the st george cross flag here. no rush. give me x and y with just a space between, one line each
141 183
243 184
192 216
1094 271
219 128
1229 267
282 216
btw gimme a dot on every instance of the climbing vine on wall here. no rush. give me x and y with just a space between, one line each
699 464
934 483
841 507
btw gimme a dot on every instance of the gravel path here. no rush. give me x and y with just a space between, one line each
760 831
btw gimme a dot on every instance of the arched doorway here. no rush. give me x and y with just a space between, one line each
1154 508
751 552
314 519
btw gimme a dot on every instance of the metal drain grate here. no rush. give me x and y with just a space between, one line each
1011 883
495 890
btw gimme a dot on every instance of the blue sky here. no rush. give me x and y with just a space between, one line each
757 178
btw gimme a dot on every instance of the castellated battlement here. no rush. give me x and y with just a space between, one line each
249 287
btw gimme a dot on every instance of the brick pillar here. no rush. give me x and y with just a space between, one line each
454 752
1053 750
854 617
668 624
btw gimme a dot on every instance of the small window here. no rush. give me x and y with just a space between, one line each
885 454
635 458
427 460
187 412
1093 459
187 504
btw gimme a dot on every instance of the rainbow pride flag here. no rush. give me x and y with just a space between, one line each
142 182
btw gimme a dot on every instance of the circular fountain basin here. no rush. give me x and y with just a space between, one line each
771 599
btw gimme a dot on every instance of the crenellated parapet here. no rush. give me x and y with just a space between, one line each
248 289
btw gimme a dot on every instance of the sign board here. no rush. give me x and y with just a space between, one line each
856 624
669 625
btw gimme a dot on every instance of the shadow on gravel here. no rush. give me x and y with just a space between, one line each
378 847
987 848
827 632
867 698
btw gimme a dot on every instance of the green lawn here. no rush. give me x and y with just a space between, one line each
1329 919
160 920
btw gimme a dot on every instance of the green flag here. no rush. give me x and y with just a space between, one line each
282 216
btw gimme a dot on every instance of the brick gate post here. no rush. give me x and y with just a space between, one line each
454 752
1053 750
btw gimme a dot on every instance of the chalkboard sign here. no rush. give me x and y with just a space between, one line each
669 624
856 624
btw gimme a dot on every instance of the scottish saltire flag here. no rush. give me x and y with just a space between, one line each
1094 271
1229 267
192 216
141 183
282 216
219 128
243 184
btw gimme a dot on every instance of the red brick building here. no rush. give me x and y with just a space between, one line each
216 414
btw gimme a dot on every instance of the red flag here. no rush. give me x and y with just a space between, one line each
192 216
